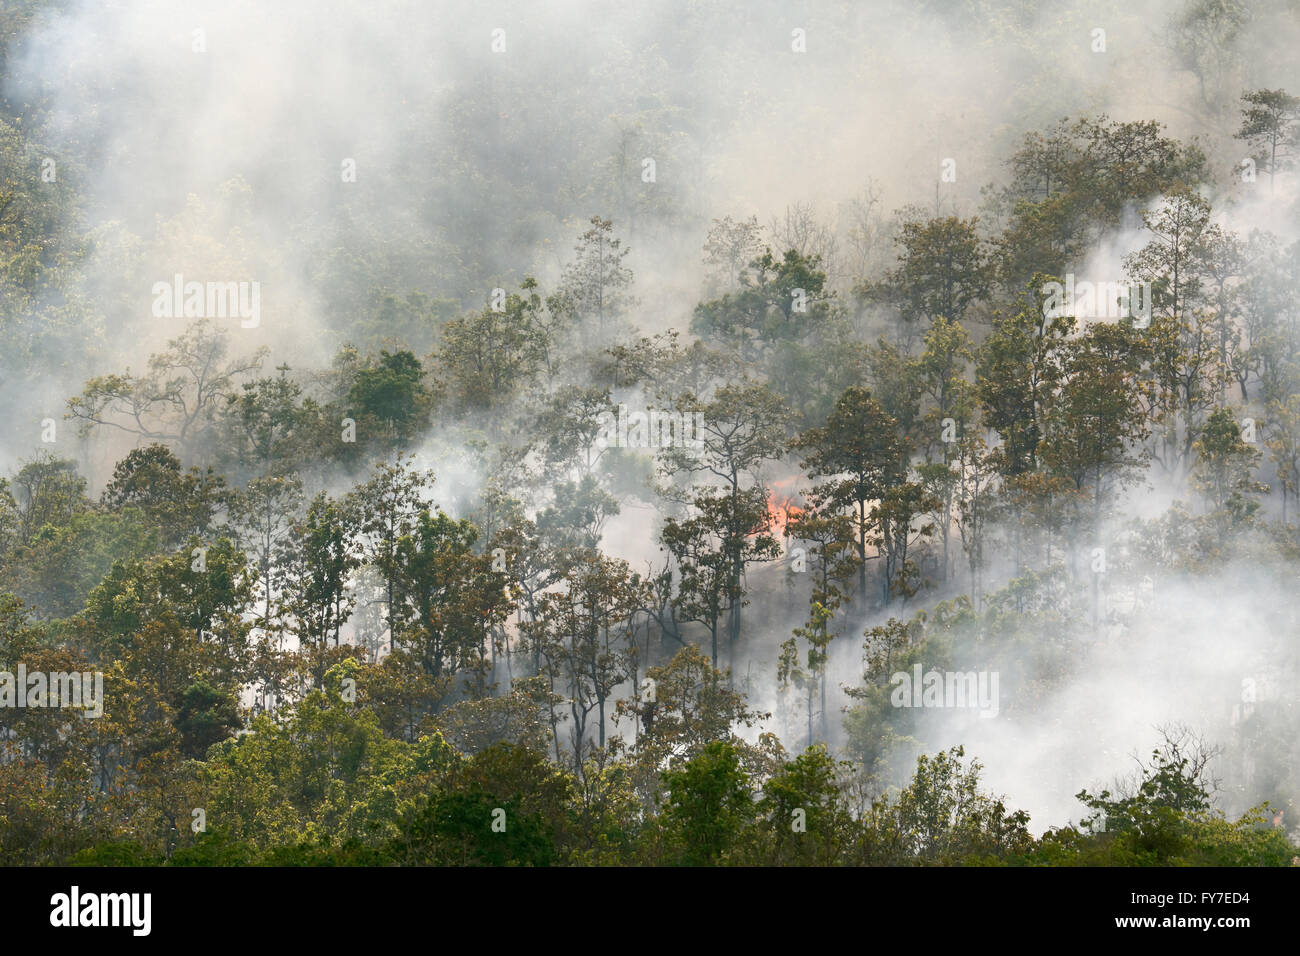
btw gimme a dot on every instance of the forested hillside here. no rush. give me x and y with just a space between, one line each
443 433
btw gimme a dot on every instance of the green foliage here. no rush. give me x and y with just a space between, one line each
942 816
390 393
709 803
508 809
205 716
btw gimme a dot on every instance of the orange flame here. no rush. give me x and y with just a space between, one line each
782 506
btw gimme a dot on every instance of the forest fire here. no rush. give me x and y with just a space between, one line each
688 470
783 506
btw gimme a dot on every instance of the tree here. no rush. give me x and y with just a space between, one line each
263 514
941 373
455 826
799 229
385 509
577 515
179 504
894 520
1044 205
391 394
1262 297
1042 165
269 423
323 767
206 716
703 572
449 601
46 491
1170 262
1092 173
941 376
1270 124
778 302
802 814
709 803
682 707
738 429
581 634
570 426
730 247
59 566
521 718
1017 371
1204 38
1127 162
177 399
1220 256
942 816
894 381
1185 369
974 500
597 283
1151 813
860 452
1284 447
486 357
318 557
1224 471
203 589
942 270
1097 421
728 532
833 562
